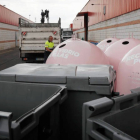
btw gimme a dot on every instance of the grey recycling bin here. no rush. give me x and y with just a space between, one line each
112 119
83 82
30 111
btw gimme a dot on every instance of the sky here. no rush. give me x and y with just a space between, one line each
65 9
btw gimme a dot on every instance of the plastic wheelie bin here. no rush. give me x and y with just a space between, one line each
83 82
112 119
30 111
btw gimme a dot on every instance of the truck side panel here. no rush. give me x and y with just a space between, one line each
34 46
33 37
37 41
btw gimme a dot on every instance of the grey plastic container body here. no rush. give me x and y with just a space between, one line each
30 111
84 83
112 119
98 78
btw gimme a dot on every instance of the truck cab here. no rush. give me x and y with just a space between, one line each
66 34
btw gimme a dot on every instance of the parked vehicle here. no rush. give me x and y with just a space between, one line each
33 37
66 33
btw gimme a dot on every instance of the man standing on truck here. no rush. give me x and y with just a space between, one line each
49 46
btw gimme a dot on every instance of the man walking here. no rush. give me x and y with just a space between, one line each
49 46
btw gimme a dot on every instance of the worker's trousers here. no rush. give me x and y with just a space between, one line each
46 55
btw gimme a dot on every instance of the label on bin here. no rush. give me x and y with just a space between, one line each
134 57
65 53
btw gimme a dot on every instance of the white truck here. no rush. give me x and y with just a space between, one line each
66 33
33 37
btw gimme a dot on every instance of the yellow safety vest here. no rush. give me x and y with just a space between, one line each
49 45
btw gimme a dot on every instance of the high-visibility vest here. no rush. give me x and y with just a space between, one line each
49 45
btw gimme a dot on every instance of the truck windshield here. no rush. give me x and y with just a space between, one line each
67 33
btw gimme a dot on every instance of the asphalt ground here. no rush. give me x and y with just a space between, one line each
9 57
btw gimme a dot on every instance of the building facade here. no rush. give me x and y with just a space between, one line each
101 19
9 28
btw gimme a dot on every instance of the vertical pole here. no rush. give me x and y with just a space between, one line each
86 26
16 39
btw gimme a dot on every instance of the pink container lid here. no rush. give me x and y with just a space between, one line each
103 45
128 76
117 50
76 51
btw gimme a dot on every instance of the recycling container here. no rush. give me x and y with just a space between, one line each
30 111
119 49
112 119
83 82
104 44
76 51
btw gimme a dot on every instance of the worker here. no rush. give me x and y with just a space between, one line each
49 46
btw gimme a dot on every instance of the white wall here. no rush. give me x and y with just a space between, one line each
80 35
7 36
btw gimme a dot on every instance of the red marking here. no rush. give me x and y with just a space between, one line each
55 32
24 33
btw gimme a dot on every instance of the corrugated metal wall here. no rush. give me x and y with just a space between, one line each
114 8
9 28
9 17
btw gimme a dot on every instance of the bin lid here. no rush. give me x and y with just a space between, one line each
117 50
38 73
104 44
77 52
60 74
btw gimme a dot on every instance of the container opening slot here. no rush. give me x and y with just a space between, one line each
125 42
62 46
109 41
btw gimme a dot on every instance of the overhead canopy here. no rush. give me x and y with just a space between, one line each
83 13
